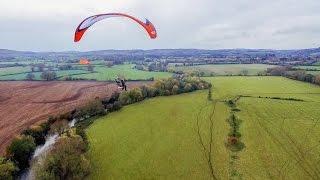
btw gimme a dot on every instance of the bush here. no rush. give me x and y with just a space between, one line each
114 107
114 97
231 103
7 169
59 126
94 108
68 116
209 95
234 142
82 133
132 96
38 133
152 92
30 76
45 126
21 150
175 89
51 119
66 160
188 87
144 91
317 79
48 75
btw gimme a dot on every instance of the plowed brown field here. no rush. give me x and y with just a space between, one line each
23 103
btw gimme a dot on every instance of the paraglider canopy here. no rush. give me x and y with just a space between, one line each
85 24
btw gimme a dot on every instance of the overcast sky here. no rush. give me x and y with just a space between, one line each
49 25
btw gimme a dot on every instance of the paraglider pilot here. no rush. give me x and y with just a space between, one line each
121 83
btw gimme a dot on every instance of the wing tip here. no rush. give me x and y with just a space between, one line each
78 35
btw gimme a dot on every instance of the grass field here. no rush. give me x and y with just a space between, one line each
281 136
309 67
158 138
228 87
313 72
282 139
226 69
13 70
104 73
317 68
22 61
60 75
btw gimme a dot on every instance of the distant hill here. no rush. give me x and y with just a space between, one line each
240 53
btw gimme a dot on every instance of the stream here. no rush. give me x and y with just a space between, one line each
40 153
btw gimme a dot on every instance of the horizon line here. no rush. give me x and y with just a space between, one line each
222 49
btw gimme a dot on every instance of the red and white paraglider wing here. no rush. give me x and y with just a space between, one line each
85 24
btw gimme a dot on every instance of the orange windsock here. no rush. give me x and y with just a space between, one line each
84 61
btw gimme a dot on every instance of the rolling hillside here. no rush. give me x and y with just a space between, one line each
186 136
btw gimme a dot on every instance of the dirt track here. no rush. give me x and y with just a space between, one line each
23 103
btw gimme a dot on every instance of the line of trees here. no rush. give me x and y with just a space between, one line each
164 87
157 66
46 75
200 73
289 72
234 142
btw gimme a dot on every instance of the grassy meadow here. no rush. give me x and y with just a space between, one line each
281 136
225 69
313 72
13 70
60 75
103 73
309 67
169 137
315 69
158 138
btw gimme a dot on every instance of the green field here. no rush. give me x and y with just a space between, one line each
104 73
22 61
226 69
101 73
60 75
281 137
228 87
315 69
159 139
308 67
13 70
313 72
